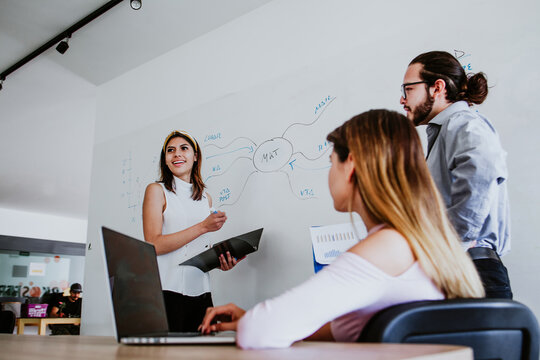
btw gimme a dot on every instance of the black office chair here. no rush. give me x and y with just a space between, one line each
493 328
7 321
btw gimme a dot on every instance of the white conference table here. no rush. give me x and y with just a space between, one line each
33 347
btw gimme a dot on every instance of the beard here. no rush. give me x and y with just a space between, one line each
420 114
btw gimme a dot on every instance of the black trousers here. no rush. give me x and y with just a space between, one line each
185 313
65 329
494 277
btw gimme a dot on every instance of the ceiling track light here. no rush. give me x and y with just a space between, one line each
135 4
63 45
60 38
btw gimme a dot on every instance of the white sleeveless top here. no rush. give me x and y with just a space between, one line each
181 212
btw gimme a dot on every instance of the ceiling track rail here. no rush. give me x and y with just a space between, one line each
55 40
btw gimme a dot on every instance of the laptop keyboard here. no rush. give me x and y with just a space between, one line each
184 334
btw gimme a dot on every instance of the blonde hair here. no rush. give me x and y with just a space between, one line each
396 188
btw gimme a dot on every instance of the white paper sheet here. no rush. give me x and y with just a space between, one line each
332 240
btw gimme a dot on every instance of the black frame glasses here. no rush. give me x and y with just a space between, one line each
404 93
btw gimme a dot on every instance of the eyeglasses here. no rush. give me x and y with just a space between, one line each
403 86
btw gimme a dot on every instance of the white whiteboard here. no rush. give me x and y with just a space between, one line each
266 169
261 98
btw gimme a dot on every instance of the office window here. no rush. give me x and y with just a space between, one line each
32 267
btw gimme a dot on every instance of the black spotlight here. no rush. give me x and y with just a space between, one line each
63 45
1 83
135 4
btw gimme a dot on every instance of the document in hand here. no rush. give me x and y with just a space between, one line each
332 240
239 246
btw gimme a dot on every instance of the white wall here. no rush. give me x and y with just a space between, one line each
47 117
288 51
42 226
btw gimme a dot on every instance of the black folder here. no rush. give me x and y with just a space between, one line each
239 246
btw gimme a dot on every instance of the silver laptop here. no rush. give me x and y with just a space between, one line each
138 305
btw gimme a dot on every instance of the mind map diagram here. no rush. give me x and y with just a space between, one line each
132 188
298 153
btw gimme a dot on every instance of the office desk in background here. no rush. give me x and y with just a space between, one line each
43 322
32 347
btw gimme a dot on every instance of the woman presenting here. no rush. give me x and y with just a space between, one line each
176 217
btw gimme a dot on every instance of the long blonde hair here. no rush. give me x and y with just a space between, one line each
394 183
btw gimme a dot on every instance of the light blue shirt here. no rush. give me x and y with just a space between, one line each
468 164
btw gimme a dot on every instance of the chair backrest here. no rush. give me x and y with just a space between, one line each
7 321
51 299
493 328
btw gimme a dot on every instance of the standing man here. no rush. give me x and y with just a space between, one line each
465 158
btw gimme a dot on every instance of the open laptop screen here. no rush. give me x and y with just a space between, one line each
135 285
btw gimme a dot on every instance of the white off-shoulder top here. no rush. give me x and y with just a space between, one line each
347 292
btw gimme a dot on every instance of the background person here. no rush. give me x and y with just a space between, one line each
176 217
465 158
68 306
411 251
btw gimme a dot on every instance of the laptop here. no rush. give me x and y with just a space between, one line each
138 305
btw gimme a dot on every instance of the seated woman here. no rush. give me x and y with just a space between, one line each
411 251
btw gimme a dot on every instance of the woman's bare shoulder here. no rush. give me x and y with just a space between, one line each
154 187
154 191
387 249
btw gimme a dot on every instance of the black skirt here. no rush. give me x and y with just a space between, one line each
185 313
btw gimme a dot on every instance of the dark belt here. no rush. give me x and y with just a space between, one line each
478 253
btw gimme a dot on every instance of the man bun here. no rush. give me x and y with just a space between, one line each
477 88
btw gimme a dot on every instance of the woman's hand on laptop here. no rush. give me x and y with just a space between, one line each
221 318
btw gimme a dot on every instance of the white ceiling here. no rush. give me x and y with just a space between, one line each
117 41
114 43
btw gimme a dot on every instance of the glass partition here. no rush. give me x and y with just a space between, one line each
31 274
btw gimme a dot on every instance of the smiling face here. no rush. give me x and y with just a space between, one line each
180 157
418 102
